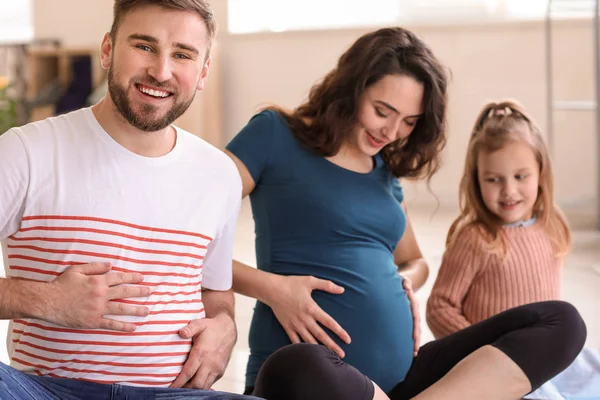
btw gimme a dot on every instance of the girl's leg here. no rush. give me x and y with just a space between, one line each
503 357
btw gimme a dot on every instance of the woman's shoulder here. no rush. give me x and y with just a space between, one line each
273 120
271 115
264 127
266 117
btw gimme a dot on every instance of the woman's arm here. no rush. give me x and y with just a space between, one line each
413 267
249 281
288 296
408 257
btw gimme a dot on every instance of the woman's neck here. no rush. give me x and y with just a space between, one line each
350 158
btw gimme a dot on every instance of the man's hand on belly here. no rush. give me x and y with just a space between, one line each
213 340
82 295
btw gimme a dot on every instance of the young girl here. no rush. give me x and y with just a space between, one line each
506 248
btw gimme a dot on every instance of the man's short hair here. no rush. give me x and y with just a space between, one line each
200 7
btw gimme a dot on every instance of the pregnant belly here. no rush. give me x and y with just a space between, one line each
380 325
377 317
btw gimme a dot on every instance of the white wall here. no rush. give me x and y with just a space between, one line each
488 62
76 23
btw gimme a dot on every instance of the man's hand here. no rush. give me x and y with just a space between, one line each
213 340
82 295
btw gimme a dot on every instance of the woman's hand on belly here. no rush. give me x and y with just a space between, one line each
414 307
300 316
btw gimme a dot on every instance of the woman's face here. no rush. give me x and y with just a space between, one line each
389 111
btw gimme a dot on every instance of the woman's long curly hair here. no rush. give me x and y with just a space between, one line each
330 115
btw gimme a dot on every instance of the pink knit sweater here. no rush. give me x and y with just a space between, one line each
474 284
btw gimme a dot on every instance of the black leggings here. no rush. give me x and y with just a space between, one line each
541 338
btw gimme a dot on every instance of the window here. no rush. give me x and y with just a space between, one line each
16 21
453 10
247 16
537 9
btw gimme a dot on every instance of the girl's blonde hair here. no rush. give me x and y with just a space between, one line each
499 124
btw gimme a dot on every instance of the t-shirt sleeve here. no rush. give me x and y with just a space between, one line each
217 265
397 189
14 181
254 143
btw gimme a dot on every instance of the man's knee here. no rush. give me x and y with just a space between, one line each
4 376
7 372
12 383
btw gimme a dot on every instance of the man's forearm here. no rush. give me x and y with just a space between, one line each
22 298
218 302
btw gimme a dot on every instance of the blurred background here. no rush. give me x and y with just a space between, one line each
543 53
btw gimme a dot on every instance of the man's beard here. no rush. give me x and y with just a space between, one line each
146 118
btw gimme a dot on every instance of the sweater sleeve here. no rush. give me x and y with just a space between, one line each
459 266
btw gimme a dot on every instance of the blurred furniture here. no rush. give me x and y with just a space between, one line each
60 79
16 32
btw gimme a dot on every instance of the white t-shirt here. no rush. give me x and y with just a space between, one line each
70 194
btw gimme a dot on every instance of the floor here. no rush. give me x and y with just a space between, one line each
580 285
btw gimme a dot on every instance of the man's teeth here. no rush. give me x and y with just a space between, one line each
152 92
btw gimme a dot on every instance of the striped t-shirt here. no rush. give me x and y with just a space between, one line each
71 195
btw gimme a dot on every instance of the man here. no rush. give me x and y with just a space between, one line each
118 228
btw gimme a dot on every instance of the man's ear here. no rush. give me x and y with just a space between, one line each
204 73
106 49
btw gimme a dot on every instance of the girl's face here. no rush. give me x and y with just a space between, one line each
389 110
509 179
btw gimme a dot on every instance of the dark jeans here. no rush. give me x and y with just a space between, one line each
15 384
